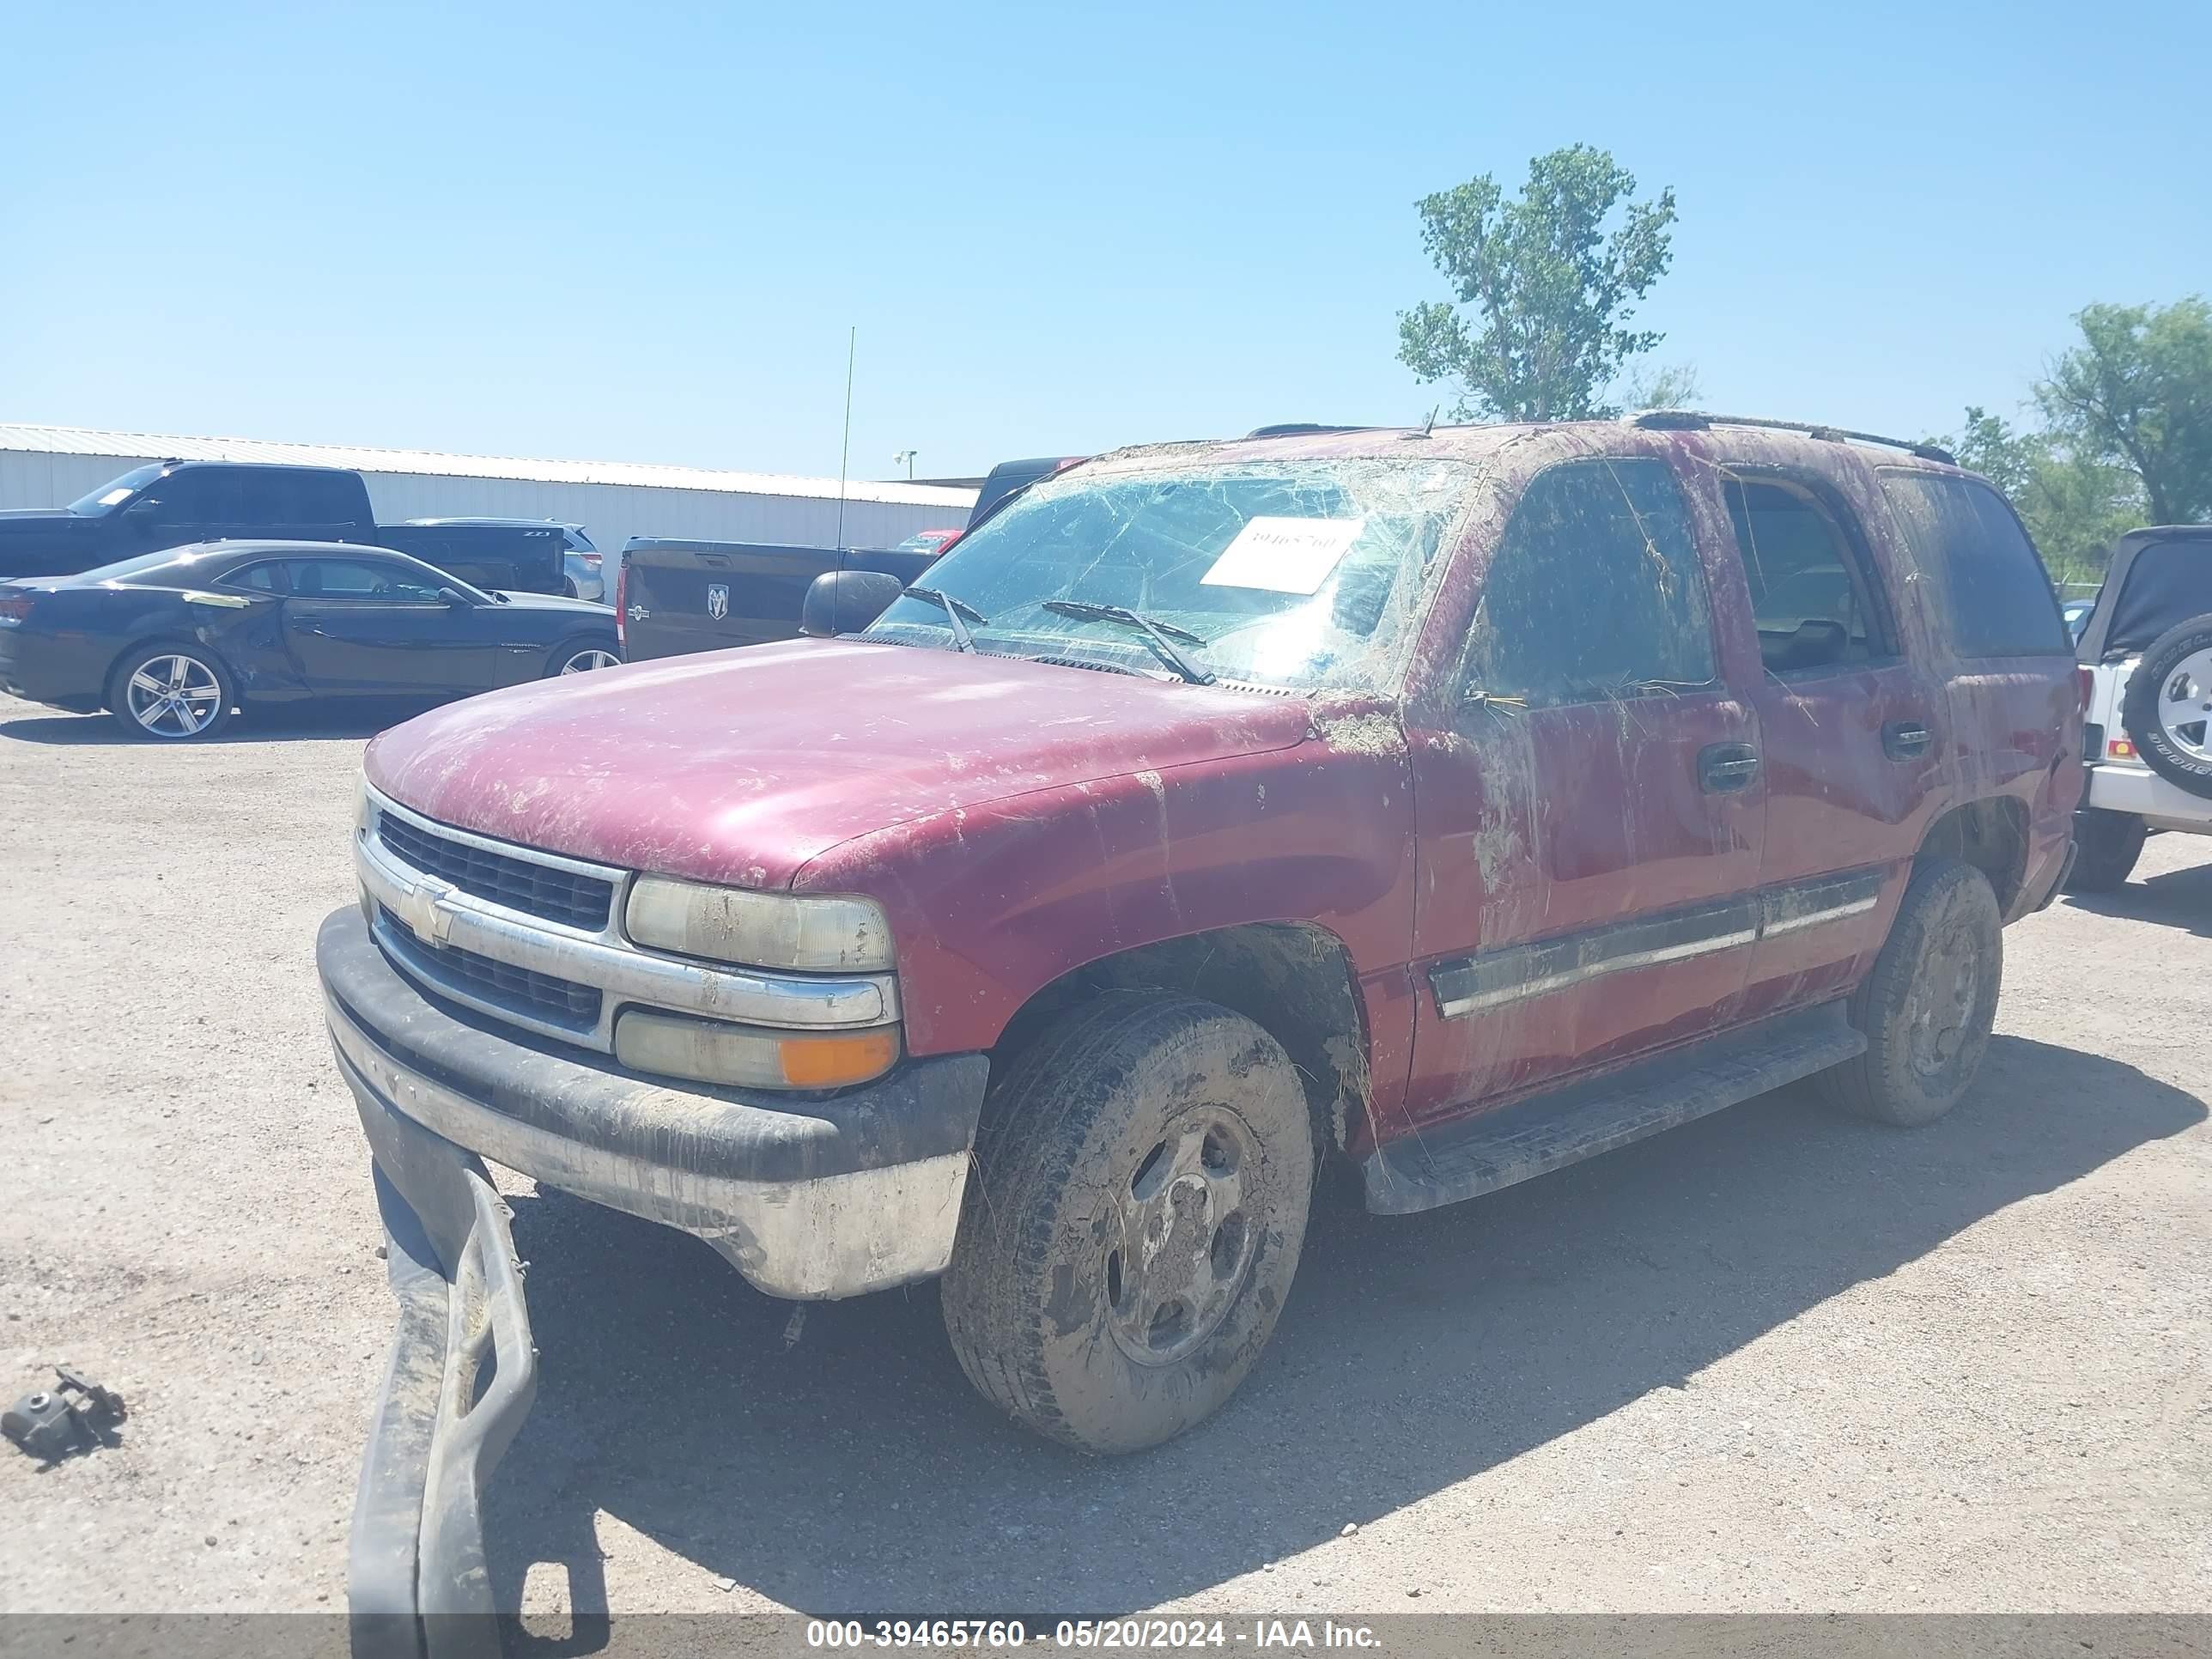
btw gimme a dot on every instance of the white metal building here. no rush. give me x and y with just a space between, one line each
52 465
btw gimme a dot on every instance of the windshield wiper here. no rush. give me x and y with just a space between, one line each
1162 635
961 639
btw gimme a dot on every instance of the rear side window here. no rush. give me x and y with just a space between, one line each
286 495
350 579
1810 596
1997 597
2167 582
325 498
1595 591
267 577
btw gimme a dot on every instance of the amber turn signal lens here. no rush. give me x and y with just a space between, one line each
2119 749
830 1062
750 1056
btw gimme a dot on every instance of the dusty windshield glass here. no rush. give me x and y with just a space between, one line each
105 499
1299 574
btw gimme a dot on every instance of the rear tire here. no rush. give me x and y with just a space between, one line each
1928 1005
1131 1230
2105 847
171 691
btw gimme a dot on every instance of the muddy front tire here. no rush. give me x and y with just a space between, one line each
1928 1005
1134 1222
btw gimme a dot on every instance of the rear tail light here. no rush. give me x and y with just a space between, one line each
622 611
15 609
2119 749
592 560
2085 681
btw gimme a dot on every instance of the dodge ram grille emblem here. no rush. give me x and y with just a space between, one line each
717 600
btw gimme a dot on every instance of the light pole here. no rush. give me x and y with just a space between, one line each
905 456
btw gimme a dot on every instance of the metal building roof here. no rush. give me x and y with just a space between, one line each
85 440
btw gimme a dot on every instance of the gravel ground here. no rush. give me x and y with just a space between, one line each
1774 1360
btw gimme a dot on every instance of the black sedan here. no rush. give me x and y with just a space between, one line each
170 642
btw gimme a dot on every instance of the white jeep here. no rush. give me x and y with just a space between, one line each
2147 651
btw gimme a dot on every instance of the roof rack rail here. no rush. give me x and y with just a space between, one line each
1681 420
1298 428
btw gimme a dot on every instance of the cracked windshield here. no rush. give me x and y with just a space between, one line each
1298 574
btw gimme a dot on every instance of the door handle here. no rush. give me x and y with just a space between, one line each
1725 768
1905 739
315 628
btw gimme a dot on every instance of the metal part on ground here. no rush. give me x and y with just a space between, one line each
76 1414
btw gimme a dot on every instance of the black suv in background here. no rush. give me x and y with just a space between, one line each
168 504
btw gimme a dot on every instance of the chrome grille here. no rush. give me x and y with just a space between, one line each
538 890
519 989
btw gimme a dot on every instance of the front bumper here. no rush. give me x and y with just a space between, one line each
824 1198
416 1582
809 1199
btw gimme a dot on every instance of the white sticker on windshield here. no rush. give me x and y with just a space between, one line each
1284 556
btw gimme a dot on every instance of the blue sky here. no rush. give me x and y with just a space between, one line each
641 233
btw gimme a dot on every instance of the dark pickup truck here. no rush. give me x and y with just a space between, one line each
167 504
677 596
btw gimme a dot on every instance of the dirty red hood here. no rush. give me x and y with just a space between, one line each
740 766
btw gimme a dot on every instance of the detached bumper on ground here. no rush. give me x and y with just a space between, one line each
809 1199
461 1376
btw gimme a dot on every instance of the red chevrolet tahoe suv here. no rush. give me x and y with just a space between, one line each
1442 805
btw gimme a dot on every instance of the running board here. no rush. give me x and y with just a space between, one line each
1550 1131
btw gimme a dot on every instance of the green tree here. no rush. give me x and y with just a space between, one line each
2137 393
1665 385
2073 506
1549 288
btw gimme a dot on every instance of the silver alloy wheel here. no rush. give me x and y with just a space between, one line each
174 696
583 662
1184 1246
2184 707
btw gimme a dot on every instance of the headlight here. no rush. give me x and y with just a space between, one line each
749 1057
762 930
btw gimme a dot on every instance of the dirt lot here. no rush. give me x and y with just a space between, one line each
1774 1360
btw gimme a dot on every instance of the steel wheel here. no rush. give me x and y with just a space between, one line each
1939 1008
1183 1245
2184 706
1928 1004
173 696
591 657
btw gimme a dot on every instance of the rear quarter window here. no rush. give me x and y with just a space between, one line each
1995 597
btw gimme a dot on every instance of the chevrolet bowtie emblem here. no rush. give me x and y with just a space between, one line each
428 909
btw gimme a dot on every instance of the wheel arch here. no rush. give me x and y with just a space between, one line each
1293 980
594 636
183 642
1992 834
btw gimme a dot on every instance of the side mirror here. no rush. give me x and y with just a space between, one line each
846 601
453 597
